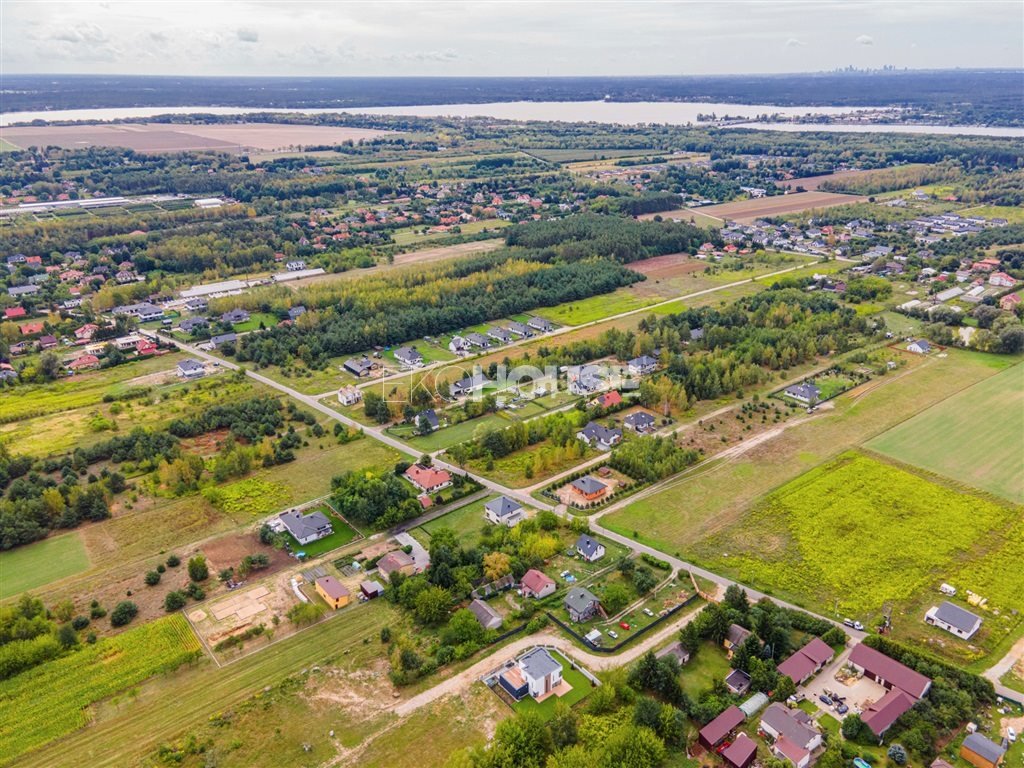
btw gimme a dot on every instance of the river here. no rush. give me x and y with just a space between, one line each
628 113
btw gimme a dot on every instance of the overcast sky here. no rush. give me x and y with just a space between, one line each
247 37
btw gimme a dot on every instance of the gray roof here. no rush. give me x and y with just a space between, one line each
20 290
503 506
300 526
804 391
475 381
193 322
643 361
956 616
540 323
922 344
222 338
484 613
785 722
985 747
431 416
696 334
188 364
594 431
358 364
587 545
408 354
539 663
580 599
737 679
521 328
297 311
588 484
478 339
640 419
235 316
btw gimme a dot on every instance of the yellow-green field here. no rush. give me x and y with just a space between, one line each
45 561
975 437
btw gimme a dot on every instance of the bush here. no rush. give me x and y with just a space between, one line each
897 754
197 570
80 622
173 561
97 611
123 613
537 623
152 578
385 634
195 591
175 601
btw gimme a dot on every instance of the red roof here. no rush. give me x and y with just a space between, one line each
740 752
535 581
608 399
818 651
29 328
792 752
721 726
427 478
83 361
12 312
884 712
891 671
797 667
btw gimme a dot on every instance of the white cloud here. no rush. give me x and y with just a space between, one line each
794 42
84 33
865 40
247 35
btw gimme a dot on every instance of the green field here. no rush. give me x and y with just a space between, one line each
343 534
41 563
465 521
53 699
596 307
6 146
581 688
410 235
975 437
700 672
1013 214
448 436
863 533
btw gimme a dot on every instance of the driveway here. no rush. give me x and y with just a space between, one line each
420 556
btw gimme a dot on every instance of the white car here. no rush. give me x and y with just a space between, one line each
1011 735
648 612
612 634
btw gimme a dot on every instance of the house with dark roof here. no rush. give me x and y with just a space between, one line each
504 511
478 340
738 682
306 528
807 662
981 752
642 365
881 714
536 584
919 346
581 604
805 393
396 562
500 335
778 721
640 422
741 753
715 732
487 617
334 593
223 338
409 357
784 749
953 619
597 436
294 313
589 548
428 419
470 384
589 488
540 324
235 316
520 329
190 368
359 366
190 324
735 636
536 673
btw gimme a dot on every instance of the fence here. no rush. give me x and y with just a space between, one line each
639 633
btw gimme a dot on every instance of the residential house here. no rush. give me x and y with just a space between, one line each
7 372
784 749
235 316
1009 302
741 753
540 324
14 313
738 682
589 548
640 422
953 619
396 562
296 265
349 395
642 365
500 335
477 340
31 329
359 366
487 617
84 363
805 392
190 324
676 649
371 589
920 347
715 732
1001 279
581 603
880 715
735 636
427 421
807 662
607 399
536 584
470 384
589 488
779 721
600 437
306 528
536 673
294 313
428 479
458 346
223 338
520 329
48 342
409 357
585 379
888 672
504 511
981 752
22 290
190 368
146 347
86 332
334 593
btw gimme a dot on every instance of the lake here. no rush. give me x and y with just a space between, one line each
628 113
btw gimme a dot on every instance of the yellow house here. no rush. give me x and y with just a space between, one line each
336 595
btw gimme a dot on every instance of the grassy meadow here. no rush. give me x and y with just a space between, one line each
41 563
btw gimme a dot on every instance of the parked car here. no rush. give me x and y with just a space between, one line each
1011 735
842 709
848 622
612 634
624 625
825 700
858 626
648 612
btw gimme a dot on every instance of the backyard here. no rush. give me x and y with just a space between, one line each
581 688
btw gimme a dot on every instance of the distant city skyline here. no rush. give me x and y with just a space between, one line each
248 37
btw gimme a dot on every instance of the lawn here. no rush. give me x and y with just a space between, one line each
701 671
596 307
255 319
446 437
40 563
581 688
1013 214
975 437
343 534
465 521
862 533
545 458
53 699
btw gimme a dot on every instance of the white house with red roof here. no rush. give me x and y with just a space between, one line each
1001 279
428 479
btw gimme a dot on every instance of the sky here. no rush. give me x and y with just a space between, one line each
524 38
